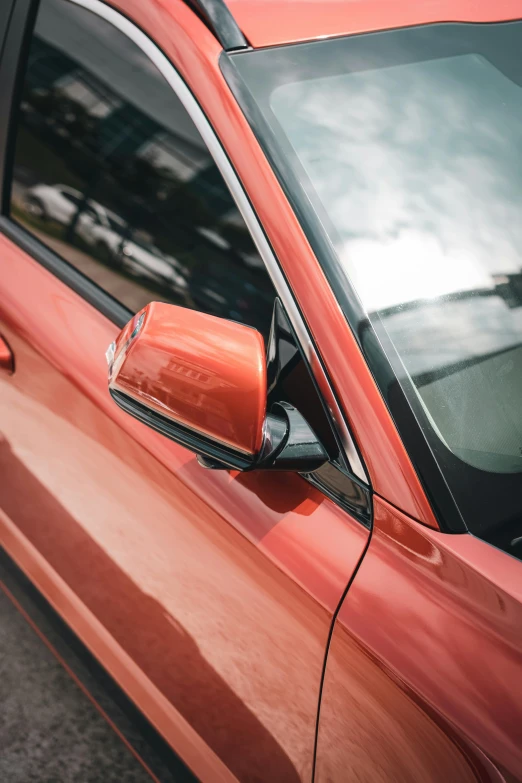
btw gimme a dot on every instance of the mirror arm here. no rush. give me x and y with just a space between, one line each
289 443
298 450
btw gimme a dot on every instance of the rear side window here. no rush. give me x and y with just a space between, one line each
111 173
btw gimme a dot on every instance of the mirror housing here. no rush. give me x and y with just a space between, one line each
201 381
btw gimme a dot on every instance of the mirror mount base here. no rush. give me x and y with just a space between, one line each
298 450
211 464
289 444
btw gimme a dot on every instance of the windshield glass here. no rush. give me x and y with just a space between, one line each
408 145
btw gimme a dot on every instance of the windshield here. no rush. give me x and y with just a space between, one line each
408 146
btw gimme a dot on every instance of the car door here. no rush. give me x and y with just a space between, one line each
423 656
208 595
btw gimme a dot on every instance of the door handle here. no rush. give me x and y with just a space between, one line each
6 357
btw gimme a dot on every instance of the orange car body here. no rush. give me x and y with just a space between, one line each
219 601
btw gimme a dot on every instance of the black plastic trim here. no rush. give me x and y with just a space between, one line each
217 17
129 720
6 9
346 491
298 450
182 435
14 53
293 447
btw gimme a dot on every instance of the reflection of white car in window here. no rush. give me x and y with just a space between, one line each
53 202
96 225
103 230
106 232
145 260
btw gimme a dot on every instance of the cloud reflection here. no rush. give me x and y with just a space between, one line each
418 167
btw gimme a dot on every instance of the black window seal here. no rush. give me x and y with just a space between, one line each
99 298
14 53
6 9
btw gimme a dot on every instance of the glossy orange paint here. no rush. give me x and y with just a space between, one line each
195 53
206 373
271 22
6 357
208 595
425 671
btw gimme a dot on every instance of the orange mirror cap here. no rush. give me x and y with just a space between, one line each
205 373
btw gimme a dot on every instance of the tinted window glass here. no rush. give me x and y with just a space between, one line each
111 173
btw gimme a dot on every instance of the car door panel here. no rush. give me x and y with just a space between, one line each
215 589
424 661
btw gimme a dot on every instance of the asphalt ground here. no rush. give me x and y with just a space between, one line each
50 729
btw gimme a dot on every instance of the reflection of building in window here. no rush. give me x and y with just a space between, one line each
234 220
208 183
174 155
46 65
123 129
88 92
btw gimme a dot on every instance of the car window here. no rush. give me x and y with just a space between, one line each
98 118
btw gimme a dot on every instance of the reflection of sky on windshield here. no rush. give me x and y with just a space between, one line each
419 168
477 326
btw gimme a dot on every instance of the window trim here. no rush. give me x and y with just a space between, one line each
11 72
5 16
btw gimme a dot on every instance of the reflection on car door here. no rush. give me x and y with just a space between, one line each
218 587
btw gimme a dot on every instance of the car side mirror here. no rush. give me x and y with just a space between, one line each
201 381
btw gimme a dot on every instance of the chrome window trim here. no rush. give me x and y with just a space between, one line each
224 165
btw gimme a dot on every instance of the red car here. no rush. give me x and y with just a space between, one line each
287 518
